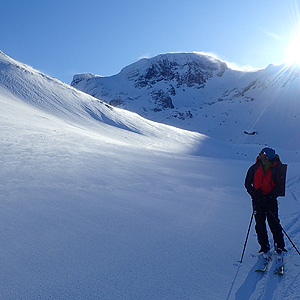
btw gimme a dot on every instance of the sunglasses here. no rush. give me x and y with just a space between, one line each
262 153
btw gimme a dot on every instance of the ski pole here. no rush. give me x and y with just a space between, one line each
276 219
247 237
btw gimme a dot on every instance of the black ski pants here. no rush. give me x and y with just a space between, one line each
267 208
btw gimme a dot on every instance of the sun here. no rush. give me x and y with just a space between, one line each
292 56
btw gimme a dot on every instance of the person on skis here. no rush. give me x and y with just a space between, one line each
263 185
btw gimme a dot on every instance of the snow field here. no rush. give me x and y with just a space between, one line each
126 210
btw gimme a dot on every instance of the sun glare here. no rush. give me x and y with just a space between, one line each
293 51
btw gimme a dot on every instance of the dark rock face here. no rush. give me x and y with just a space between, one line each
162 99
193 71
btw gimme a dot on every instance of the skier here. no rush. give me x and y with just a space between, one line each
264 187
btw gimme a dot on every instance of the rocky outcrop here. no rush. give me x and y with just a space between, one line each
182 69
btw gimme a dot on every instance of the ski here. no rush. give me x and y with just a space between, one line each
265 265
279 271
279 266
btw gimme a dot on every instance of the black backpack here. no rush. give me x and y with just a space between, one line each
279 176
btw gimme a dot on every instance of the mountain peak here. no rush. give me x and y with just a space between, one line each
160 77
191 69
181 59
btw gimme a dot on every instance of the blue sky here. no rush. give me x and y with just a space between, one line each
65 37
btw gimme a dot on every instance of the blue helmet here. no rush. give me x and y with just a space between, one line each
269 152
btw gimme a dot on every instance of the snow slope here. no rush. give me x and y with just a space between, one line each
201 93
79 109
123 208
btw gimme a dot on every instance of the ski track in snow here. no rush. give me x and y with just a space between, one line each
269 286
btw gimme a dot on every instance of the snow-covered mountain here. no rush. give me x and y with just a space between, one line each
119 126
100 203
201 93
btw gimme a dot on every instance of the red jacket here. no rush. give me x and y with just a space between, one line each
264 181
256 179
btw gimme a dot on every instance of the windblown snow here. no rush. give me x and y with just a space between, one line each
100 203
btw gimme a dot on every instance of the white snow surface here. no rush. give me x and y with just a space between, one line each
100 203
